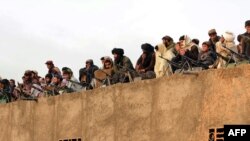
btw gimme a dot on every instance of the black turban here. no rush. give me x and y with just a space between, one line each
118 51
147 47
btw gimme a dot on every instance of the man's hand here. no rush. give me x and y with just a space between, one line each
142 70
182 52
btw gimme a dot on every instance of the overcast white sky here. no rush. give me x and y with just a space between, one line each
71 31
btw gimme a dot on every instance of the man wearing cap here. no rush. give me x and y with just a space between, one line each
86 74
72 83
244 40
56 86
206 56
35 77
213 38
27 82
247 26
122 65
31 86
52 69
48 78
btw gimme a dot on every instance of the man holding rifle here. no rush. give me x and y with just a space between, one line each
146 62
72 84
123 67
244 40
206 56
227 40
187 53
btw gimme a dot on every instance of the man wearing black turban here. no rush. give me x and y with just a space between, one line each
145 63
122 65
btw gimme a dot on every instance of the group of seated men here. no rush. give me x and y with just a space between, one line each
164 59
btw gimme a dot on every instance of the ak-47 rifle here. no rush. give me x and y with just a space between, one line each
40 90
128 71
52 88
83 84
22 92
196 63
78 83
125 68
27 96
237 54
171 62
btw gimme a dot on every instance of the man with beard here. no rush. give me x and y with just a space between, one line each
244 39
213 39
247 26
123 67
27 83
187 51
72 83
48 78
227 40
145 64
52 69
164 51
87 74
56 85
169 44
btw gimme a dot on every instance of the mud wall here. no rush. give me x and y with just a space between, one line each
177 108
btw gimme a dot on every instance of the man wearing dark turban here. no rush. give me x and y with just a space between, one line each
145 63
122 65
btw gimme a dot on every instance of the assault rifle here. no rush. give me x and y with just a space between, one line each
237 54
78 83
40 90
171 62
128 71
25 95
196 63
22 92
125 68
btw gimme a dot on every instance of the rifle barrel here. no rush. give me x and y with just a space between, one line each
171 62
239 55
